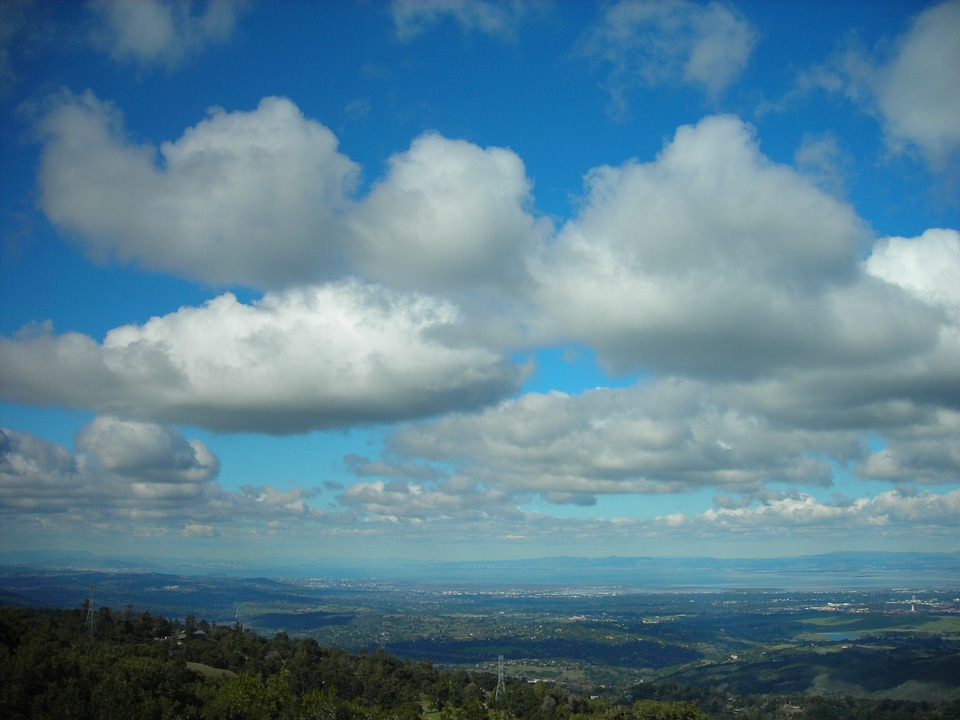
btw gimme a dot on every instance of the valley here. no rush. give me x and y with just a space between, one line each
602 640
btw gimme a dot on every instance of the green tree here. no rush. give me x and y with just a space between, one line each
249 697
653 710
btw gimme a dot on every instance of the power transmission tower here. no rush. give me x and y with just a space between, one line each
501 686
91 619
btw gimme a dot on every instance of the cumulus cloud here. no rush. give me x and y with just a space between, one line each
145 450
738 280
44 482
667 437
264 199
449 215
39 476
455 498
887 510
713 260
485 515
198 530
926 461
243 197
662 42
928 267
674 435
285 503
161 33
499 18
730 265
927 453
917 101
131 472
792 508
315 358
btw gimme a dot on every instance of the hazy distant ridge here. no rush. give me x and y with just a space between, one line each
842 569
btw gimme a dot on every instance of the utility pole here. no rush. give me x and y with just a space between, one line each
501 686
91 619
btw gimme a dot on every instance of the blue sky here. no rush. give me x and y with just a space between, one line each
469 280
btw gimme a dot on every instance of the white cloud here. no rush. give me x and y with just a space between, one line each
499 18
928 266
243 197
661 42
713 260
710 261
933 461
147 451
197 530
909 88
163 33
418 502
927 452
916 92
714 249
305 359
899 506
485 523
44 483
132 473
668 437
263 199
37 476
674 435
891 508
291 502
792 509
448 216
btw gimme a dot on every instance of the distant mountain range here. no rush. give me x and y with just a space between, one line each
834 570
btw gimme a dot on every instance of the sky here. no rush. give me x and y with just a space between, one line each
479 280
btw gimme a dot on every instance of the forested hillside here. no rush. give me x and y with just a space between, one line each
130 665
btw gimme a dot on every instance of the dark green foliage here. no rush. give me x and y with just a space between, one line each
136 666
53 668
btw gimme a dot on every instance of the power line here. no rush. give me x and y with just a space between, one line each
91 620
501 685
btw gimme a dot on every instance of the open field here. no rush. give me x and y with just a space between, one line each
947 626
